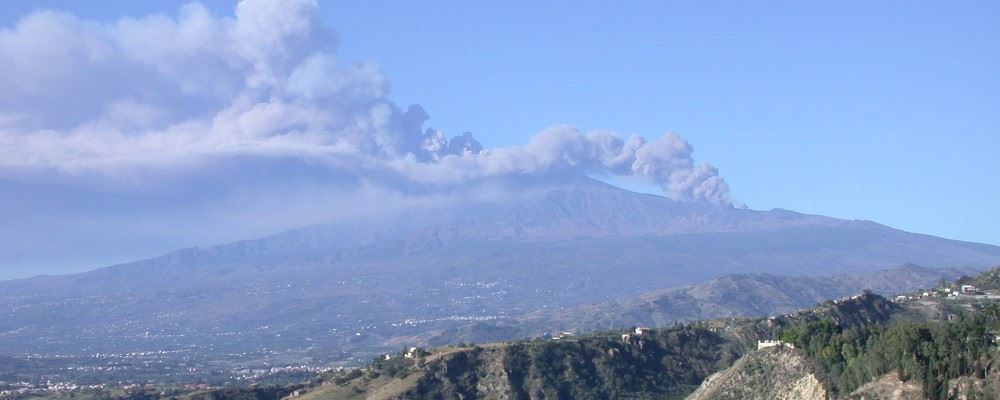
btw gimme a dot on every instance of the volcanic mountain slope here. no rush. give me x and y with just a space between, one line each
360 284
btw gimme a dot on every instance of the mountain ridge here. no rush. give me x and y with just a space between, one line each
365 284
589 210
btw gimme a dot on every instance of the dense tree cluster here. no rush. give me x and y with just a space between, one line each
663 364
931 352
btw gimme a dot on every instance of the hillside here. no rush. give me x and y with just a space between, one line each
343 291
888 387
881 352
776 373
666 363
661 363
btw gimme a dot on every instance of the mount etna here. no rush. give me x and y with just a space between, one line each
342 291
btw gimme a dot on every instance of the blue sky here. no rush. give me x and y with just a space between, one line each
856 110
850 109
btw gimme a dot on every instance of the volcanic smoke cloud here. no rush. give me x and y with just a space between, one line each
88 101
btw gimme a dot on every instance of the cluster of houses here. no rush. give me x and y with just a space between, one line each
630 337
843 300
963 290
15 389
410 353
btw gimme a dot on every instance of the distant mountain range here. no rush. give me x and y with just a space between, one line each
347 289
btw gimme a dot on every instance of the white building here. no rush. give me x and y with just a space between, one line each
763 344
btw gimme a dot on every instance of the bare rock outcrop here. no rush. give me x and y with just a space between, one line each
775 373
889 387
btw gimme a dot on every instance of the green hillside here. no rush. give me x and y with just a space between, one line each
846 344
666 363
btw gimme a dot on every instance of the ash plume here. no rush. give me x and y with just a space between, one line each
161 91
170 121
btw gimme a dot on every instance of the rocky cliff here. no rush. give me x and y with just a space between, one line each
776 373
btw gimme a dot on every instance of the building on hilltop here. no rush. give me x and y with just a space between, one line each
763 344
411 353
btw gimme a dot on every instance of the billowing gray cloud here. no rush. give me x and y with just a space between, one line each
84 99
665 161
166 125
141 135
